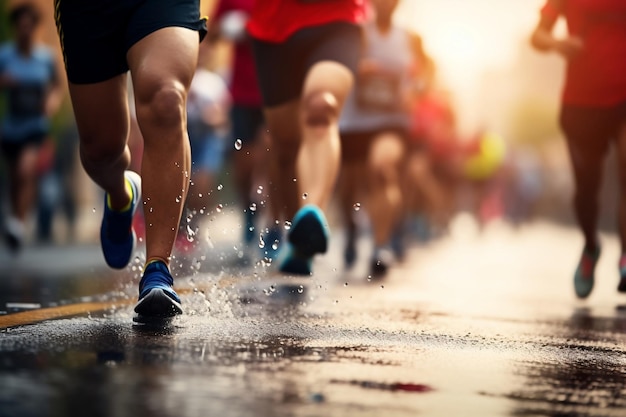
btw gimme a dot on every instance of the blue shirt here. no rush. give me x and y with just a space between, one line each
31 75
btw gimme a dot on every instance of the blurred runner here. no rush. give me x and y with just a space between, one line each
593 113
28 76
158 42
374 131
306 53
207 121
246 117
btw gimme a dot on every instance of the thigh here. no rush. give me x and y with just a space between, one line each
167 57
588 134
333 58
101 111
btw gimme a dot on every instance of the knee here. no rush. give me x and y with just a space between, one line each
320 109
162 105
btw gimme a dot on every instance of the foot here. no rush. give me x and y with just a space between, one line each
381 262
117 236
622 274
157 298
308 237
14 234
584 278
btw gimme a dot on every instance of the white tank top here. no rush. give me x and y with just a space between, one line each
376 101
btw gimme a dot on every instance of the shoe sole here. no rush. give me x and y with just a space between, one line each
156 305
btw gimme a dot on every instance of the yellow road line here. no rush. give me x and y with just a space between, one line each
36 316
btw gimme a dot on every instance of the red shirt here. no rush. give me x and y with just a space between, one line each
277 20
597 76
244 86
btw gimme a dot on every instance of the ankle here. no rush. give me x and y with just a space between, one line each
156 259
121 202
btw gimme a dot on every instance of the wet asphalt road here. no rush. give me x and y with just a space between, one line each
469 326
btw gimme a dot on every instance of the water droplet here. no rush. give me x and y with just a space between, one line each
200 195
219 208
238 144
220 187
275 244
382 287
345 284
201 211
259 190
253 207
151 209
178 199
357 206
300 289
305 196
287 225
94 210
261 242
191 234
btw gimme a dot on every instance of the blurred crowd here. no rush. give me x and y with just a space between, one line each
399 130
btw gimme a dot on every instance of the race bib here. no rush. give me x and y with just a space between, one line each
379 92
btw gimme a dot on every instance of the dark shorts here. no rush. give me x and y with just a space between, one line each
12 150
355 146
282 67
96 34
246 122
590 130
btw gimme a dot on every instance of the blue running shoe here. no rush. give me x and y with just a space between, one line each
584 278
308 236
157 298
117 236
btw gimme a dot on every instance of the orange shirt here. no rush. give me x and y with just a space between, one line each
597 76
277 20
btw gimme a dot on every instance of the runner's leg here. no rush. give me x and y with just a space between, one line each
282 123
385 204
162 65
101 112
325 89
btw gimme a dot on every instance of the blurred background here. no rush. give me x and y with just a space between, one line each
503 97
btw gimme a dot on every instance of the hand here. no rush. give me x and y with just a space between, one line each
570 47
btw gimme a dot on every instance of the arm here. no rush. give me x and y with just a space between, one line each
543 39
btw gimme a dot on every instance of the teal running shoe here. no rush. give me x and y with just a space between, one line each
117 236
308 237
157 298
584 278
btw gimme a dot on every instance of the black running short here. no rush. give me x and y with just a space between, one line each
590 130
95 35
282 67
